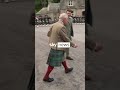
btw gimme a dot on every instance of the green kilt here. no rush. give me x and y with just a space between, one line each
55 58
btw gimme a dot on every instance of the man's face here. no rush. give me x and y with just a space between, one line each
69 13
65 21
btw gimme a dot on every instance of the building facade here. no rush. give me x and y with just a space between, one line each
78 6
54 9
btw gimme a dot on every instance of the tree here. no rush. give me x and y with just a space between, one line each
39 4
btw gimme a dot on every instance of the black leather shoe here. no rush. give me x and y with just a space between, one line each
48 80
69 58
68 70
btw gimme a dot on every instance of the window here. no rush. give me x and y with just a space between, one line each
70 3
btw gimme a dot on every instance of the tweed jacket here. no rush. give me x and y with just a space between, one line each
69 27
58 33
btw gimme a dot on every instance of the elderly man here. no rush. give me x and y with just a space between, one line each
58 33
69 28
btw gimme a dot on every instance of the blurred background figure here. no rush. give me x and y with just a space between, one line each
90 44
69 27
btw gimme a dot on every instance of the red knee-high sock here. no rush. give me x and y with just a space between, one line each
50 68
65 65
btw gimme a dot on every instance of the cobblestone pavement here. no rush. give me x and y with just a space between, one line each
72 81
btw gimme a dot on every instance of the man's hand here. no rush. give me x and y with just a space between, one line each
75 46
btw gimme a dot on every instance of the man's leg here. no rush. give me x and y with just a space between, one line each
67 55
67 52
46 77
67 70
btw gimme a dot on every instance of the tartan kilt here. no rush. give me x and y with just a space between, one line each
55 58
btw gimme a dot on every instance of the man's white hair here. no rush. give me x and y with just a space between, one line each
62 16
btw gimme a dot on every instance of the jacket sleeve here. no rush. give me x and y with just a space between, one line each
49 32
63 35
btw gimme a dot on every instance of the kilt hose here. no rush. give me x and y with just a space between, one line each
56 57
